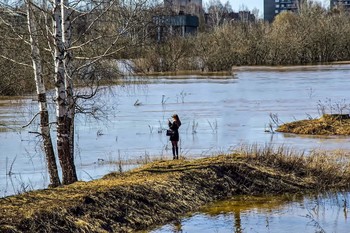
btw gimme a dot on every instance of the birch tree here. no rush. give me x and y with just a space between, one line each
104 31
42 100
95 44
64 111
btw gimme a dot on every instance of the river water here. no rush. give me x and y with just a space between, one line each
276 214
218 114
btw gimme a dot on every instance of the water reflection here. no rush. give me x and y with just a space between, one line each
287 213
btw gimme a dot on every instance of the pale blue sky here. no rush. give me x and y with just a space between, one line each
251 4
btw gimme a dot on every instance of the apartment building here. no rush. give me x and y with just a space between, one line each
274 7
335 3
187 7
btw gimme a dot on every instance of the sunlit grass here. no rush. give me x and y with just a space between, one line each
165 189
326 169
325 125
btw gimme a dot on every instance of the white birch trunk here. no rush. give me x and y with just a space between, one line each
63 145
64 92
42 101
68 56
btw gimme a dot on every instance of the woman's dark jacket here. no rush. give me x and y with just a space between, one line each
174 127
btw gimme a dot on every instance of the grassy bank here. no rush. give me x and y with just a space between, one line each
165 190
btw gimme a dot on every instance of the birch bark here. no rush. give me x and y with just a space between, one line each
42 100
68 56
62 105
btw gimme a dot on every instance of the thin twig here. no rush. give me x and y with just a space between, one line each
9 173
88 175
37 133
16 62
31 120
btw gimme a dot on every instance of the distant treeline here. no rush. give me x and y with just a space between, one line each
313 35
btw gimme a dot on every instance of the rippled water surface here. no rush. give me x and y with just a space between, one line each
217 114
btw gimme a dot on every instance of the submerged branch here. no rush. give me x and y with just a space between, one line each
30 122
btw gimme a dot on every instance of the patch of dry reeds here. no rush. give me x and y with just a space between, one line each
325 125
328 169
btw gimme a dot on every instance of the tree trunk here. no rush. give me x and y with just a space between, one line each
62 105
42 101
67 40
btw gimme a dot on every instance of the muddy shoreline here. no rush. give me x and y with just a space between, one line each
161 192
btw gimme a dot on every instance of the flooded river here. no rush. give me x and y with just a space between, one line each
278 214
218 115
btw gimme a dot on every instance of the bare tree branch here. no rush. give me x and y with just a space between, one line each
16 62
30 122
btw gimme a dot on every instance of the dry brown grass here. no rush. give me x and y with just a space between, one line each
325 169
164 190
326 125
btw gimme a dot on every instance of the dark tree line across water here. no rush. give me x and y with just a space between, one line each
315 35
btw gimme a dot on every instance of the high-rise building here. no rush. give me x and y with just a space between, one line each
342 3
274 7
181 19
186 7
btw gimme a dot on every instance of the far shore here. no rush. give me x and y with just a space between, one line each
164 191
228 74
310 67
231 73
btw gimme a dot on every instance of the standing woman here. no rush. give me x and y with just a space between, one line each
174 138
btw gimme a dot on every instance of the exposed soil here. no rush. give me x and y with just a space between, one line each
328 124
159 193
